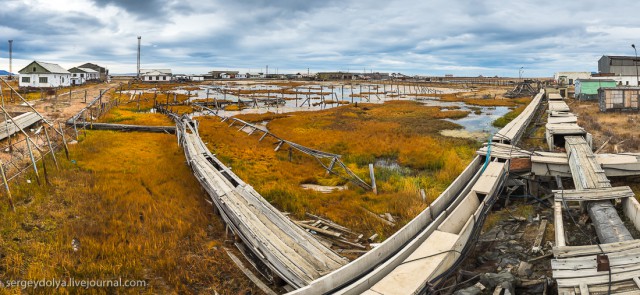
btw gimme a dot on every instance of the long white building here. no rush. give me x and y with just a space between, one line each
44 75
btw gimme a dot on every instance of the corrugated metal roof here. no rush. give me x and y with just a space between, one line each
53 68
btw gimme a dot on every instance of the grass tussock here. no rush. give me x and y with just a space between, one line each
400 131
137 212
508 117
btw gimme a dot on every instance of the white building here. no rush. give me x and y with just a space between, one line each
255 75
44 75
80 76
241 76
569 78
156 75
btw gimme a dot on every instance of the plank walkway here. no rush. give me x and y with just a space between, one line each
575 267
288 251
513 131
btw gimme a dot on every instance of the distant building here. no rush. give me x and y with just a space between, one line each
335 76
569 78
102 72
218 74
156 75
80 76
44 75
255 75
619 99
587 89
620 66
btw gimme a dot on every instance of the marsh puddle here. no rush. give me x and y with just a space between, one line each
477 125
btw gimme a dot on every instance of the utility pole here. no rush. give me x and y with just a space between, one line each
636 62
138 74
266 75
10 59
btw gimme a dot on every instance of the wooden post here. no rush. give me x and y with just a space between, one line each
64 140
6 186
53 154
85 96
373 179
33 160
423 195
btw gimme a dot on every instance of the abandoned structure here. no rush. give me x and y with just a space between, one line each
81 76
44 75
103 73
156 75
623 68
587 89
619 99
569 78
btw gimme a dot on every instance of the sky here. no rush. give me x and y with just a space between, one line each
426 37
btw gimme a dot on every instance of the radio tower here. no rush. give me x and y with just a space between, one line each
10 59
138 75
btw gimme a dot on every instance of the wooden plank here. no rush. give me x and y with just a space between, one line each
595 194
539 237
584 290
249 274
559 226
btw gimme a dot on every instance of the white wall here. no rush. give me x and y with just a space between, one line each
53 80
621 80
158 78
573 76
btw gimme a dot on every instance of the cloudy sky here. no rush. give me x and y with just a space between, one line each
466 37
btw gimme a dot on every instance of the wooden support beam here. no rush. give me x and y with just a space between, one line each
373 179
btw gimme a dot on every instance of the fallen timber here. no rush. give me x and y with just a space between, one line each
22 121
276 246
124 127
427 247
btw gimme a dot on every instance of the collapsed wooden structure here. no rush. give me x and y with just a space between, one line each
277 247
609 264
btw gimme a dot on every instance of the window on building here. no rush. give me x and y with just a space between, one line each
34 69
82 75
43 80
157 78
26 79
617 98
627 83
164 78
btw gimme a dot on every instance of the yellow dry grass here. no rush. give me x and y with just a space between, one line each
125 116
137 212
402 131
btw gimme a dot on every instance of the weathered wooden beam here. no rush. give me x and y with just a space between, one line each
126 127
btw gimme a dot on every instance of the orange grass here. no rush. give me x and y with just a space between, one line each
406 132
137 211
119 115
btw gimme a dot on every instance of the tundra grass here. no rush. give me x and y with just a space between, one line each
400 131
136 212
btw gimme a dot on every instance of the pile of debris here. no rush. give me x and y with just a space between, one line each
511 257
522 89
341 239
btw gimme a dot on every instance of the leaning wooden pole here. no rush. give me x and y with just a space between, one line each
6 186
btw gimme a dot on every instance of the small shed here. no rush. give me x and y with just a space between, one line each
619 99
587 89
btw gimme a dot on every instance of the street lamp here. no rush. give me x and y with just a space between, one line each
636 62
520 73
